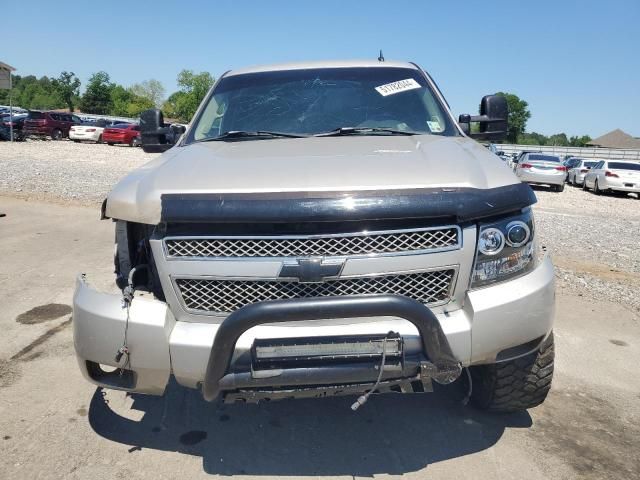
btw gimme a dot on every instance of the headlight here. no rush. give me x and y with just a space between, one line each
490 241
506 249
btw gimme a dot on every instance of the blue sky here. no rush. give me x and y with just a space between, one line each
577 63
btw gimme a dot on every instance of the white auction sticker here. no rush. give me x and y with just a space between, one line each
435 126
397 87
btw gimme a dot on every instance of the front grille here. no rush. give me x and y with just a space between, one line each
338 245
225 296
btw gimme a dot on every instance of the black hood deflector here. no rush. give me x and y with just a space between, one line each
459 204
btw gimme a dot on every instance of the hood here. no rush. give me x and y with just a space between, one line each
325 164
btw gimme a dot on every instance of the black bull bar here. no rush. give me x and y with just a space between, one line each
439 363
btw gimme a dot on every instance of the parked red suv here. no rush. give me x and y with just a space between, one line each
122 133
50 124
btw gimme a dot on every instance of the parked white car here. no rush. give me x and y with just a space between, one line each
613 176
541 169
90 132
579 170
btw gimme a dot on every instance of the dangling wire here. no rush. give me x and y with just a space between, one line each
363 398
467 397
127 298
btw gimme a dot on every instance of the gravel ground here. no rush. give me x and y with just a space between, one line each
592 239
594 242
65 171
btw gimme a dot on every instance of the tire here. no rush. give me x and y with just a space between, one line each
596 189
584 185
573 182
560 188
56 134
110 144
135 142
99 139
517 384
76 141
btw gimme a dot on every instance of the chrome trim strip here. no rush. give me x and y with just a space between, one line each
183 305
365 233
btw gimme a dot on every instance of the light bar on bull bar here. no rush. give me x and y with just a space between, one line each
326 348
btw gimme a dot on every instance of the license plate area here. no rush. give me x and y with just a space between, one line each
277 353
631 185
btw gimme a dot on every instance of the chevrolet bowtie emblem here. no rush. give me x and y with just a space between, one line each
311 270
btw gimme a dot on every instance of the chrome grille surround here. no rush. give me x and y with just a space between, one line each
205 295
391 242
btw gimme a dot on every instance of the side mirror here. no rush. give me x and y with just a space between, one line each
493 119
176 131
155 136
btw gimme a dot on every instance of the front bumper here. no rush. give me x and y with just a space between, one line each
493 325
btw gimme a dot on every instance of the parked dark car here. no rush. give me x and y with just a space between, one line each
5 134
128 133
50 124
18 124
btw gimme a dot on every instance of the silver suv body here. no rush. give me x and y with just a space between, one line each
370 246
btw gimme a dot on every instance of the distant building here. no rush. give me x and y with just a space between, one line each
5 75
616 139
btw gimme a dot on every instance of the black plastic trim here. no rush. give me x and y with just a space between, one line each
457 204
119 378
322 375
519 350
435 345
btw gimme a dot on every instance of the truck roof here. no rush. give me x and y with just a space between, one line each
320 64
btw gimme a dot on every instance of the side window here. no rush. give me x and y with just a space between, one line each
76 119
598 166
136 128
55 116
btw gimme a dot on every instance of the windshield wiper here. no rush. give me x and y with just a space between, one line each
364 130
236 134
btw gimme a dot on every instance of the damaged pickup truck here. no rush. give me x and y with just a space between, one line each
323 229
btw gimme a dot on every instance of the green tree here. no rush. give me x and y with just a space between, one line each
97 96
532 138
559 139
582 141
125 103
152 90
183 104
31 92
67 86
518 116
120 99
171 107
